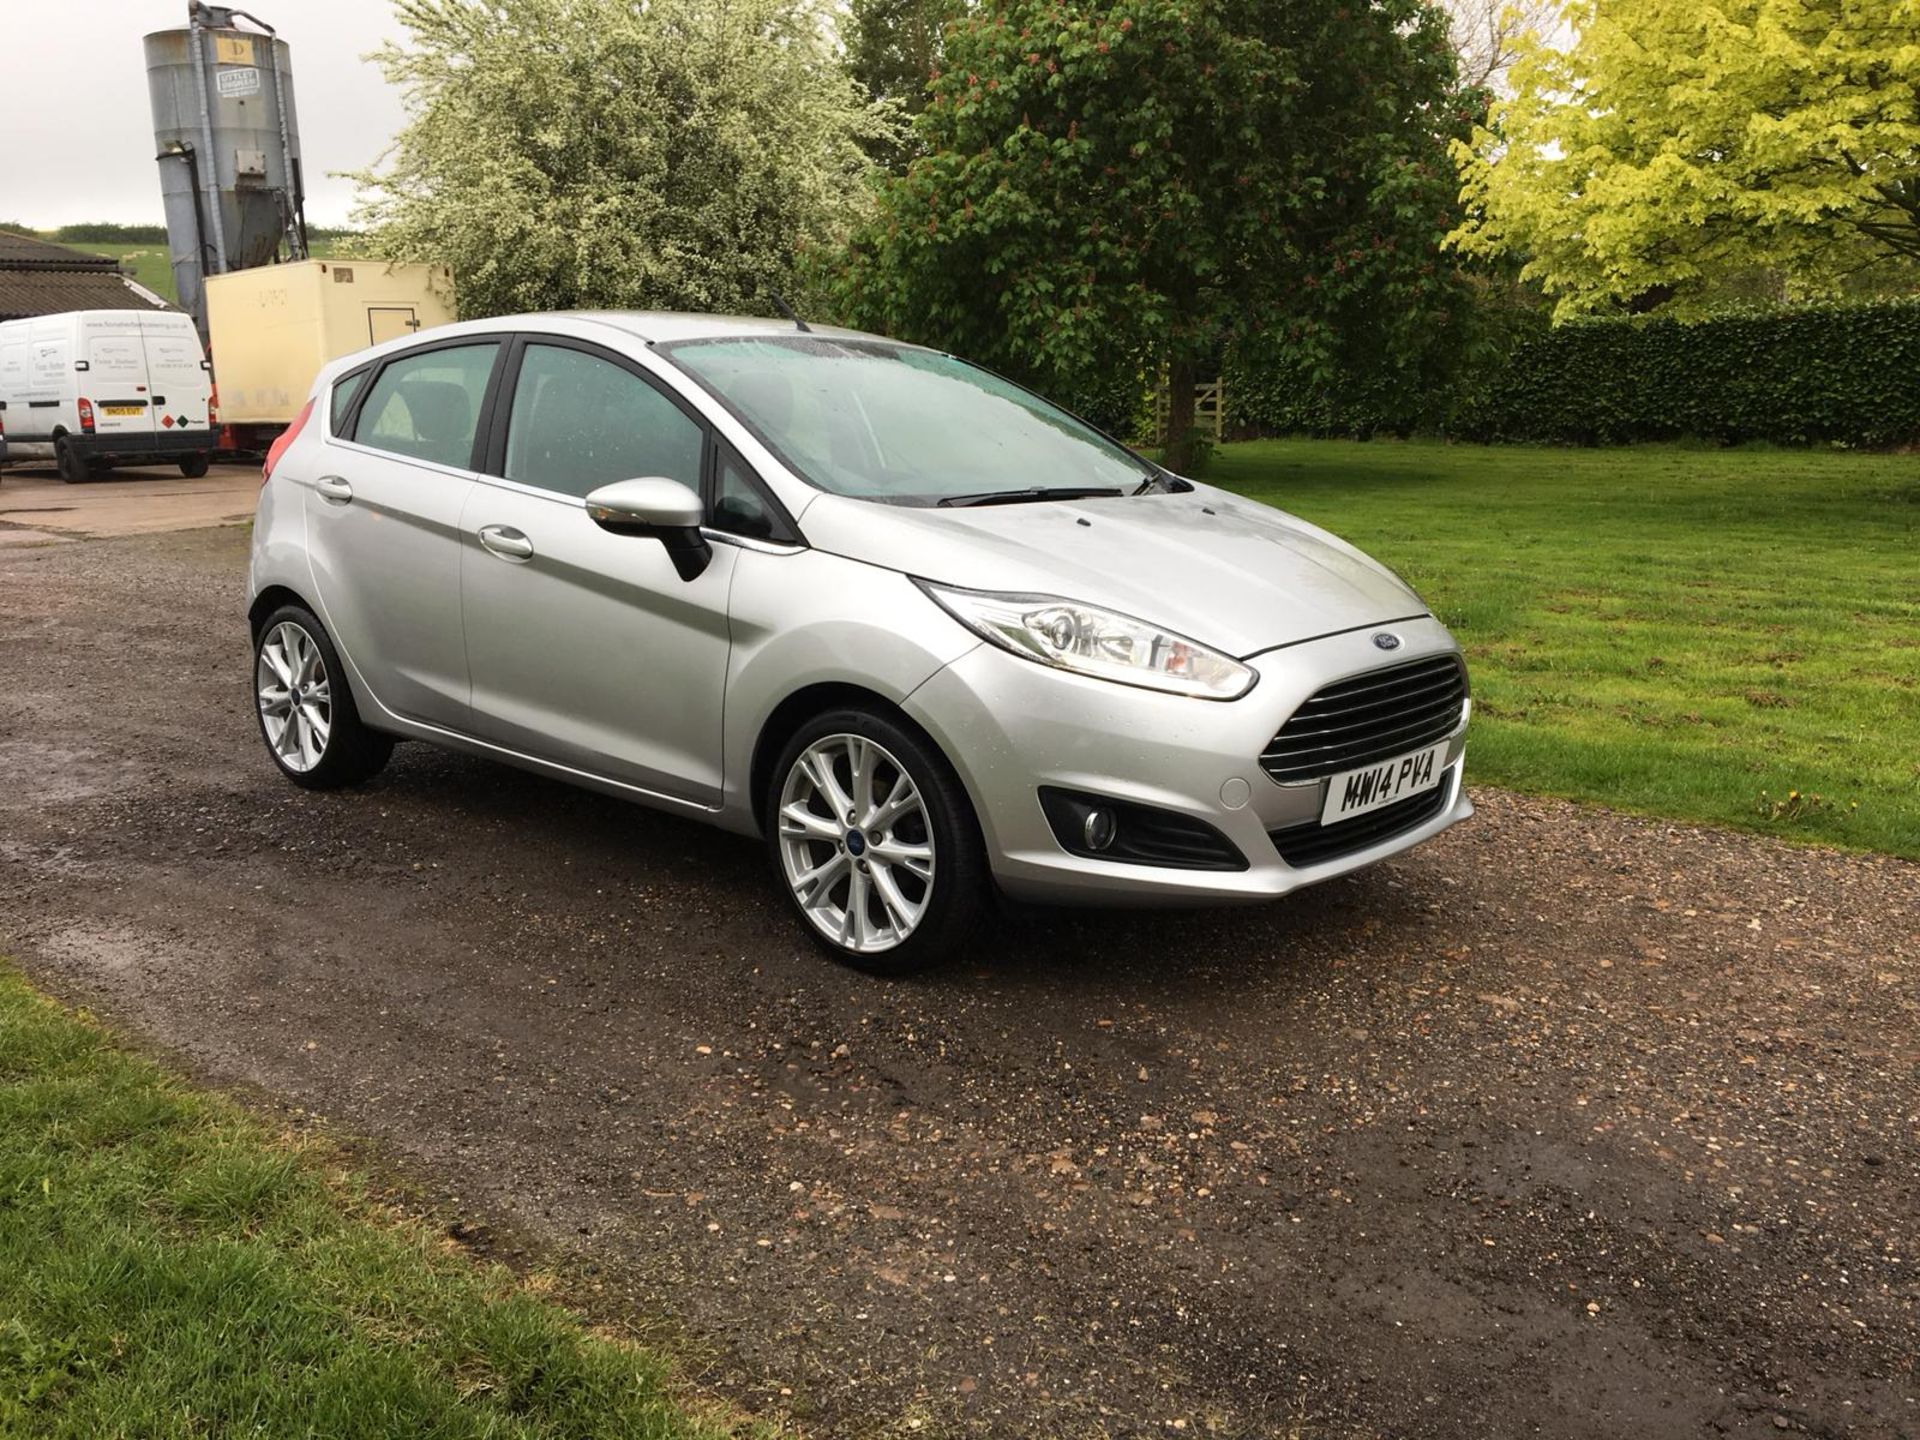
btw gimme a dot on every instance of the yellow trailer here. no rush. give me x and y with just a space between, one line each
271 328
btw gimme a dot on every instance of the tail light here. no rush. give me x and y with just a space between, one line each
213 403
287 437
86 416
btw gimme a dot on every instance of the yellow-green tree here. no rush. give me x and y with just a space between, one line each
1678 145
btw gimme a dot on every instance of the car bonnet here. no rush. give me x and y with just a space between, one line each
1232 574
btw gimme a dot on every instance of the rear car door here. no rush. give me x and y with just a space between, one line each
384 495
586 647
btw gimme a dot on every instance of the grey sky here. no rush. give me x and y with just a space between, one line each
76 138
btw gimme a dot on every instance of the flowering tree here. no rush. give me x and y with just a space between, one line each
671 154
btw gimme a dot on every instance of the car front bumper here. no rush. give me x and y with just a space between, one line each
1011 726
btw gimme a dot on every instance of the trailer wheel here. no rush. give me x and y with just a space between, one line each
194 466
74 468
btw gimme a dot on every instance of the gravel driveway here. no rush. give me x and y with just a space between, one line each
1569 1124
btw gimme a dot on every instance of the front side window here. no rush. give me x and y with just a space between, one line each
882 421
427 406
580 421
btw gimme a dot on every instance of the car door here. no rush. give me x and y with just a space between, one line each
383 508
586 647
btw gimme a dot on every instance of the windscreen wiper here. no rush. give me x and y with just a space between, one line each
1037 492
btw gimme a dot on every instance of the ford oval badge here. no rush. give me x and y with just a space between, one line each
1386 640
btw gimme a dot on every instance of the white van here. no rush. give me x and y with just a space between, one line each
96 388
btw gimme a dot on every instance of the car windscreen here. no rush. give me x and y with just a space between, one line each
889 422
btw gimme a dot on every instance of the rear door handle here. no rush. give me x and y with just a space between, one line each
506 542
333 488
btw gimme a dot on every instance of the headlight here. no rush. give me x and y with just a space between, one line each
1090 641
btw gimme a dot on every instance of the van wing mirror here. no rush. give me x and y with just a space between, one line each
660 509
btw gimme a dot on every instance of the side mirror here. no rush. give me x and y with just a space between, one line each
658 509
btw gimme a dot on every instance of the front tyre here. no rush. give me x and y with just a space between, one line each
306 712
194 466
875 843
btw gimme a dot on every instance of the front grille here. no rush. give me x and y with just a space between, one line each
1369 718
1312 843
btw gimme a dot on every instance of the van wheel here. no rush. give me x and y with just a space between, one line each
875 843
307 716
74 468
194 466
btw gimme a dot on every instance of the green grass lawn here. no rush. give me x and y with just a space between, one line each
1721 635
151 267
169 1268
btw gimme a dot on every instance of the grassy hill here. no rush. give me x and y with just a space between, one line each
147 261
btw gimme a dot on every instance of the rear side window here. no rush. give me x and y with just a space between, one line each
427 406
580 422
344 389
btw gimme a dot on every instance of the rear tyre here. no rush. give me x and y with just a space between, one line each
307 716
74 467
874 842
194 466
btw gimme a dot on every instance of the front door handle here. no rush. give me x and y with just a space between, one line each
506 542
332 488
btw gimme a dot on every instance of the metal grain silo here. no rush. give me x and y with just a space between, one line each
228 148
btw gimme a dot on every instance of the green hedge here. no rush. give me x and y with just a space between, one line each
1847 374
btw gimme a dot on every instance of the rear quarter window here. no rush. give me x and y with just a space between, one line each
344 389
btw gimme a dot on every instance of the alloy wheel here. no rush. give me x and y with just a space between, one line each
855 843
295 695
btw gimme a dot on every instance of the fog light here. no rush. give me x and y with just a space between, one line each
1098 829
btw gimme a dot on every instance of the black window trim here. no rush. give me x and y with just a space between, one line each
499 339
492 462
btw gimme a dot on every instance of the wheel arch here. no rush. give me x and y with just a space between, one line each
816 699
270 599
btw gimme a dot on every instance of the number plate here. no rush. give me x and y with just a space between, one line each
1354 792
123 409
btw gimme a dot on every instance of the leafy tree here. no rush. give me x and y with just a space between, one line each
1679 146
1109 188
669 154
893 46
893 49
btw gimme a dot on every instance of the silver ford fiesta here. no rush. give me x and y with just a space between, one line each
921 630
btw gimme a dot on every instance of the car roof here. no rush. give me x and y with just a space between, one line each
648 326
663 326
